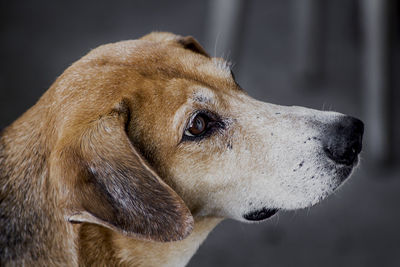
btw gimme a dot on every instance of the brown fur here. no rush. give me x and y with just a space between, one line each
92 151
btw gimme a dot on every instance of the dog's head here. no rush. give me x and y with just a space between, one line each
152 131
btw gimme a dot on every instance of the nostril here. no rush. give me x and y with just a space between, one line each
349 156
346 157
329 152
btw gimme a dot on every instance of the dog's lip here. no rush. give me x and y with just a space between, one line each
260 214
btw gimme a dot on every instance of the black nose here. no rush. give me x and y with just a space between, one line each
342 141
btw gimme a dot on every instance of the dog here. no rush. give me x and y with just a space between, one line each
140 148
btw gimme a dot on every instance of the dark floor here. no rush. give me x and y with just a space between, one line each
358 226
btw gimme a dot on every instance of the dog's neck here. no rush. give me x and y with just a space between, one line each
116 249
31 231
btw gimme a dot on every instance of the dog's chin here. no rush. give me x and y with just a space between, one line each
260 214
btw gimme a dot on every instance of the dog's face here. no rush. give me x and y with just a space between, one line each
222 152
255 158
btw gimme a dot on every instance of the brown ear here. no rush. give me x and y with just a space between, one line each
188 42
116 188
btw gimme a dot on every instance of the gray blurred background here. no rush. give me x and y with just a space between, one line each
340 55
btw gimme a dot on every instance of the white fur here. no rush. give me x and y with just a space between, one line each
275 161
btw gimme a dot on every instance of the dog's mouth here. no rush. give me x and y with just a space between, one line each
261 214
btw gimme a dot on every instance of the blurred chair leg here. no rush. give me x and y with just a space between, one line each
376 74
225 25
310 40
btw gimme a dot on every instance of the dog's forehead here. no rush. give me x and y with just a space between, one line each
156 76
162 59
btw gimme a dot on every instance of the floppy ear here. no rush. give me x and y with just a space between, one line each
117 189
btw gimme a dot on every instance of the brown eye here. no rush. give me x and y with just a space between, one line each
202 124
197 126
